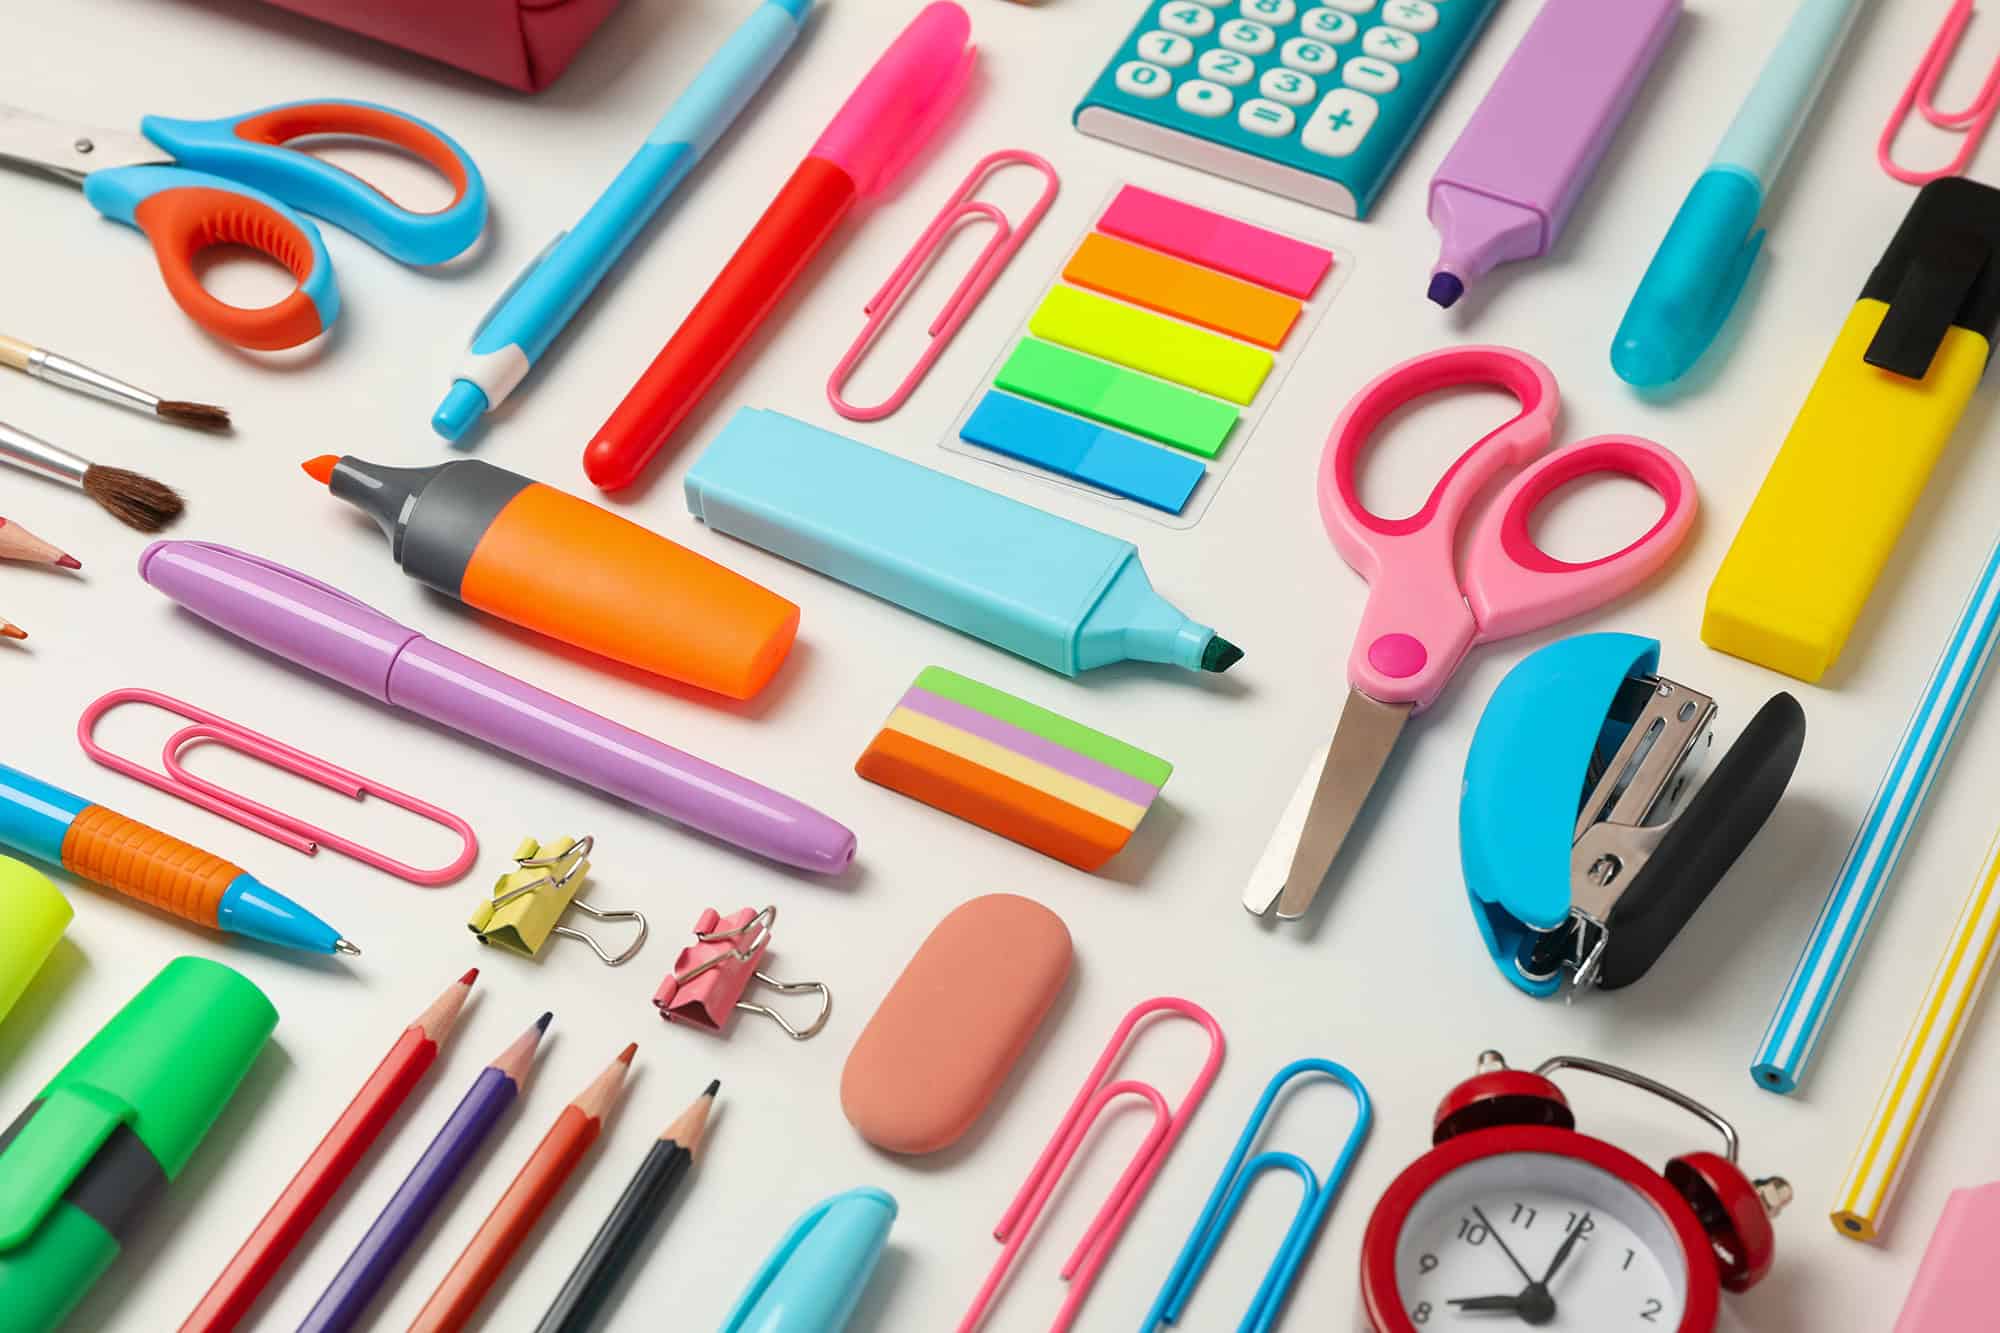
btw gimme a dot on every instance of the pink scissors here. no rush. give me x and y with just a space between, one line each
1423 615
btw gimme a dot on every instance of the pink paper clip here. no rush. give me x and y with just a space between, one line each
1006 239
290 830
1921 96
709 976
1091 1252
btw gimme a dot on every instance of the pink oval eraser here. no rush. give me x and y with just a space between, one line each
945 1035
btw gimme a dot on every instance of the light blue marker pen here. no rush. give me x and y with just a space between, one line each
1693 281
531 313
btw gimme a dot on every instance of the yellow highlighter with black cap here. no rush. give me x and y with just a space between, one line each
1848 475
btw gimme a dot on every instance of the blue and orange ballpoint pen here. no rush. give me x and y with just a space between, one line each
530 314
155 868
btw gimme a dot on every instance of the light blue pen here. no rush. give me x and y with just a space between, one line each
534 310
1696 274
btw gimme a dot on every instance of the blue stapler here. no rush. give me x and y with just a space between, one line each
1586 833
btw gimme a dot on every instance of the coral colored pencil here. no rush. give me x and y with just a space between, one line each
17 543
232 1294
506 1228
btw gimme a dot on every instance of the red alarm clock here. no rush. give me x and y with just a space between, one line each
1515 1220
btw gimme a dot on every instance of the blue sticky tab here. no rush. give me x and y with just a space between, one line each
1083 451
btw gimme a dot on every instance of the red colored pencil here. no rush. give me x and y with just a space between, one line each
232 1294
533 1190
17 543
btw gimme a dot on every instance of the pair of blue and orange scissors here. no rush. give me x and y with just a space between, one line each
1429 603
192 184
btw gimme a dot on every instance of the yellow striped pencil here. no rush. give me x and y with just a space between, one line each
1920 1069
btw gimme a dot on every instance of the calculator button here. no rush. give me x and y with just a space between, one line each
1186 18
1353 6
1275 12
1370 75
1411 15
1166 48
1287 86
1250 38
1230 67
1139 79
1303 53
1200 98
1330 25
1389 44
1340 122
1267 119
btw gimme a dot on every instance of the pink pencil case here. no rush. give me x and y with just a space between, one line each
524 44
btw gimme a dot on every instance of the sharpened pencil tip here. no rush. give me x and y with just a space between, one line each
542 1023
348 947
714 1086
471 975
625 1056
68 562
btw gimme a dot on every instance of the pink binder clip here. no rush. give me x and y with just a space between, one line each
1921 96
293 832
1006 239
1081 1270
710 975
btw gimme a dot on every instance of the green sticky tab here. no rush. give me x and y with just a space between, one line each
1152 343
1117 397
1054 727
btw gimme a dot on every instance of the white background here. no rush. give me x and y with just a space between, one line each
1389 977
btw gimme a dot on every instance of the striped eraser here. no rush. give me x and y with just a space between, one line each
1021 771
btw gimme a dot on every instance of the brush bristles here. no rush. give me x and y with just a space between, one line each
136 501
202 416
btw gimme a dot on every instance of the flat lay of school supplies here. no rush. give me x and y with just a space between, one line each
1422 617
945 422
188 185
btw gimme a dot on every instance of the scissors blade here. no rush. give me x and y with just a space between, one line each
1329 797
69 151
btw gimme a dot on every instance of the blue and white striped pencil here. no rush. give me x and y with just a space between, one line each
1871 862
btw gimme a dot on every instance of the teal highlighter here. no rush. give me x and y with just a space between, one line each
1064 596
814 1279
531 313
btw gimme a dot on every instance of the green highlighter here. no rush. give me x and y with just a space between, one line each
96 1149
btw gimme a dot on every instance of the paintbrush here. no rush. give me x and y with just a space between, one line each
136 501
43 364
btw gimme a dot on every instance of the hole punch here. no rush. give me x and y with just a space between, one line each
710 975
993 257
529 901
300 835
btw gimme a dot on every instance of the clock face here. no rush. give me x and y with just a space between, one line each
1622 1273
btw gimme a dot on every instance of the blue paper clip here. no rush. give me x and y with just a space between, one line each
1237 1177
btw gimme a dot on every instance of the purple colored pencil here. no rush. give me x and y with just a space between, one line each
395 1233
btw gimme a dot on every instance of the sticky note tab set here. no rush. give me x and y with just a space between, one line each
1146 363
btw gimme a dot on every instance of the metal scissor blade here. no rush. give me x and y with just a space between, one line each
69 151
1329 797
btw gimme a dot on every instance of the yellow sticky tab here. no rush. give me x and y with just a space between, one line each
529 902
1151 343
1835 500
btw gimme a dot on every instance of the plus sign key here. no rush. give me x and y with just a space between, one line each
1340 122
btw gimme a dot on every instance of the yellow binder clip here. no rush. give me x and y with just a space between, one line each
529 901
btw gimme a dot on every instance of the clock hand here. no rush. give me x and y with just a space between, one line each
1494 1232
1562 1251
1488 1304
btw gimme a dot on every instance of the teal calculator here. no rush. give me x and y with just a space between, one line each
1314 101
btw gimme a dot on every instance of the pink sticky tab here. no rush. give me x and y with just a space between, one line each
1958 1287
1201 237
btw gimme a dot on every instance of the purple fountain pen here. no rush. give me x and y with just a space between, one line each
324 630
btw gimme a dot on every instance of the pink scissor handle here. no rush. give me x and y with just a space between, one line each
1416 625
1514 586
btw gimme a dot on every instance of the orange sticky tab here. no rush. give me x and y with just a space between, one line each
1186 291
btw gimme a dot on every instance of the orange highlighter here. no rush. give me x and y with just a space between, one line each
547 561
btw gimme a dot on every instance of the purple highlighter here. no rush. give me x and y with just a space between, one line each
1506 188
326 631
402 1221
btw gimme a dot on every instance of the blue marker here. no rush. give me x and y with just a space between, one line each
533 311
814 1279
1699 269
